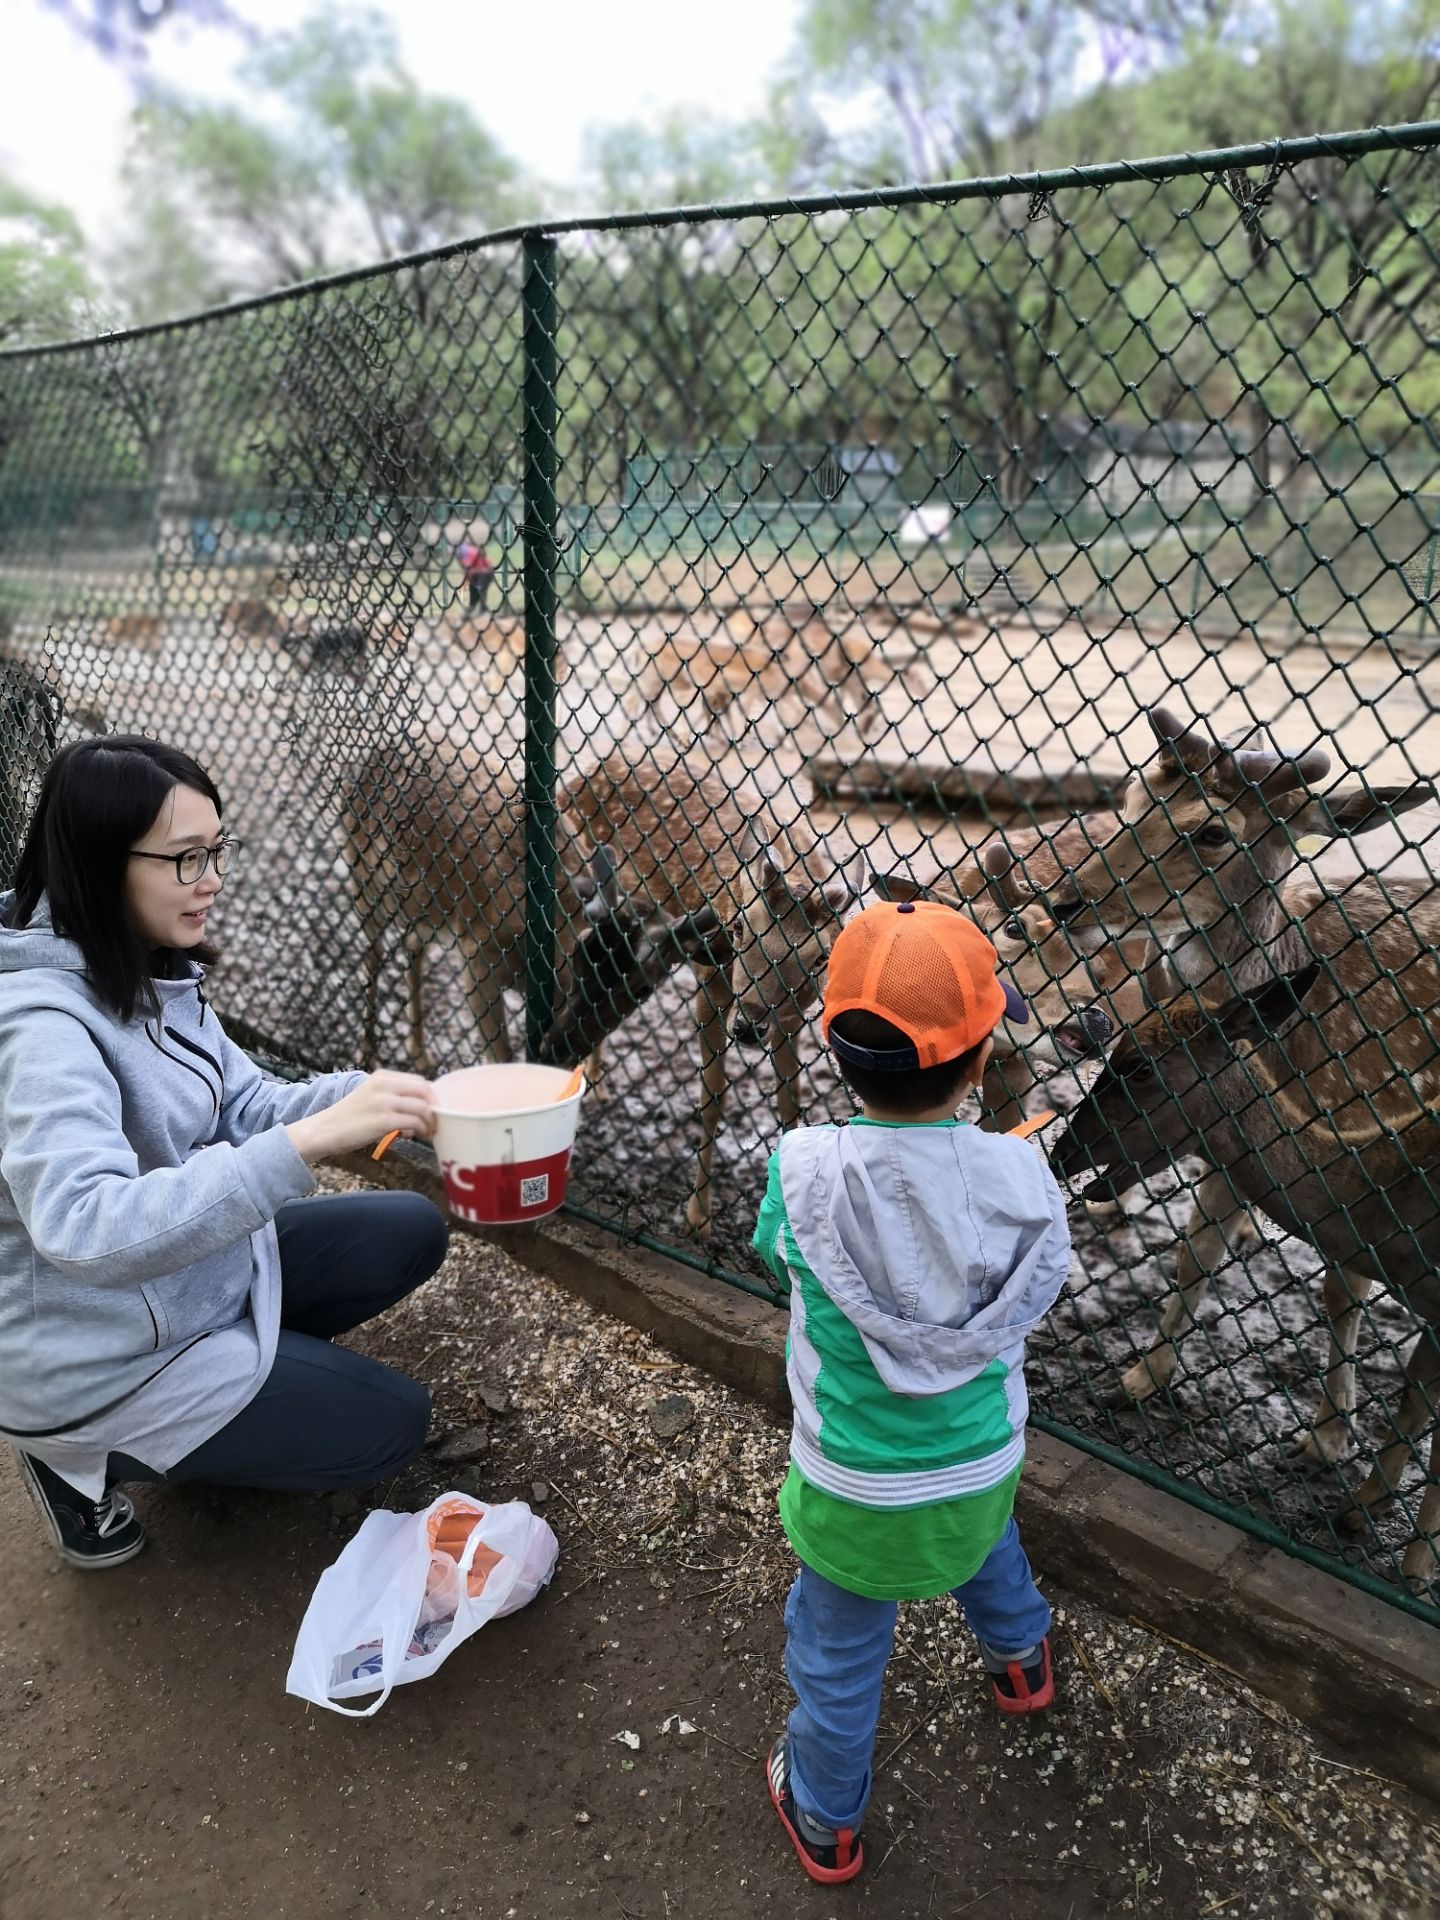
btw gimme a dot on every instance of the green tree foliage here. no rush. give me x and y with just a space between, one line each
340 159
44 280
993 330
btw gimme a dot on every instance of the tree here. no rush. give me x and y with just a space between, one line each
342 160
45 281
120 28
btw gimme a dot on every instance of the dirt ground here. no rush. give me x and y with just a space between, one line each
153 1765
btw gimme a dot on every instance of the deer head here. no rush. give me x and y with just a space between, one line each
1161 1094
1209 830
782 942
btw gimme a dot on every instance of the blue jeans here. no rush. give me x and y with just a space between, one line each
327 1416
837 1648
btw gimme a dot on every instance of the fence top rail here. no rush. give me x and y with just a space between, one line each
1353 145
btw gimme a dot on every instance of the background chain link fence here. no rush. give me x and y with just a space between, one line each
581 621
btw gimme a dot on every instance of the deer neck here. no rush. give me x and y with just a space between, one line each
1239 953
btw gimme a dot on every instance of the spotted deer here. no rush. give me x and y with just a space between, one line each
437 847
1204 864
1081 985
1231 1083
688 842
743 676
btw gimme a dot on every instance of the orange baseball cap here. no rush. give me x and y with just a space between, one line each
926 969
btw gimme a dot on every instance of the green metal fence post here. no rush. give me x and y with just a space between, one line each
541 559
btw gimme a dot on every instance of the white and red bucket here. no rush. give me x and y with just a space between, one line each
503 1137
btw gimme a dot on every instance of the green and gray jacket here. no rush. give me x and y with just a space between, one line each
917 1258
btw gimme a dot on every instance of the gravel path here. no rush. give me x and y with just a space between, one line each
153 1766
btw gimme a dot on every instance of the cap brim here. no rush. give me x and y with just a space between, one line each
1015 1007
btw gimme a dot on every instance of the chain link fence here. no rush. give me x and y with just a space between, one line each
580 621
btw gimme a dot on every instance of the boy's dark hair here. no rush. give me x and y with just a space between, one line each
913 1090
99 797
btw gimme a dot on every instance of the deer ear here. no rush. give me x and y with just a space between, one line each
896 885
1265 1013
846 884
997 863
773 882
1357 809
600 887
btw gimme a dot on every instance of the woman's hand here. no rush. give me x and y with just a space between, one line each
384 1103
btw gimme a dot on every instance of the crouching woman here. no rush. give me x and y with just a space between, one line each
168 1294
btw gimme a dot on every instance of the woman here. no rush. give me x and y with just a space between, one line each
167 1296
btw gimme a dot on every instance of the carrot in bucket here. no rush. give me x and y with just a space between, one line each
567 1092
503 1137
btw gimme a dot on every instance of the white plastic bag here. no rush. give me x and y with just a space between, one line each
408 1589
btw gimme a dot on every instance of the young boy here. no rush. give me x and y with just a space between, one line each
918 1254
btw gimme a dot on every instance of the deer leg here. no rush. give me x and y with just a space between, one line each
486 995
1329 1438
1217 1226
786 1056
1002 1093
595 1074
415 1046
713 999
1417 1415
1421 1564
374 965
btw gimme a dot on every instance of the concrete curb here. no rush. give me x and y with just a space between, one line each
1363 1674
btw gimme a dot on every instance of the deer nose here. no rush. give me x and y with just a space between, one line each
750 1033
1097 1024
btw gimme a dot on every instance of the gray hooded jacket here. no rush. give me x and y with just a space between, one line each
141 1167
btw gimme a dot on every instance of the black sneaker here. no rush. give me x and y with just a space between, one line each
828 1854
87 1533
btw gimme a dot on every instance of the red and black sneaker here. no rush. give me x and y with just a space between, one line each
828 1854
1024 1684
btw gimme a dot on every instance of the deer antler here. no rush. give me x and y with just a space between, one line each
1277 773
1184 743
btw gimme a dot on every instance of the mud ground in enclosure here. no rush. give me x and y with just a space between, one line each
279 744
154 1767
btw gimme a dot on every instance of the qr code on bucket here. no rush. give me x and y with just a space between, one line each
535 1191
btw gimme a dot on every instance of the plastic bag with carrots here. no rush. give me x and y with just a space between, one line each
408 1589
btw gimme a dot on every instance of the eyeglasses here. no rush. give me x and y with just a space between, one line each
194 862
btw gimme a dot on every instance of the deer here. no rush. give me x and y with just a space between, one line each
1081 985
763 962
498 643
436 844
762 896
1203 864
747 672
1233 1082
141 630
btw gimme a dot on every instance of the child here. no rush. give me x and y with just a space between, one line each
918 1253
478 570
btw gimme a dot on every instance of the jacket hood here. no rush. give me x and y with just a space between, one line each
38 947
938 1244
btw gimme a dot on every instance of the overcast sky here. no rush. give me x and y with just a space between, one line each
537 73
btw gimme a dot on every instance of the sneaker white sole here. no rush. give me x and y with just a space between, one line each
86 1562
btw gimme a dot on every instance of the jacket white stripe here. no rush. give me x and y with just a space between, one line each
904 1489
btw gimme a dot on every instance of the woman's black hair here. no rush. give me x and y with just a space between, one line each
99 797
912 1089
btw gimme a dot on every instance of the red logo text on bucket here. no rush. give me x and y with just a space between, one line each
506 1194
